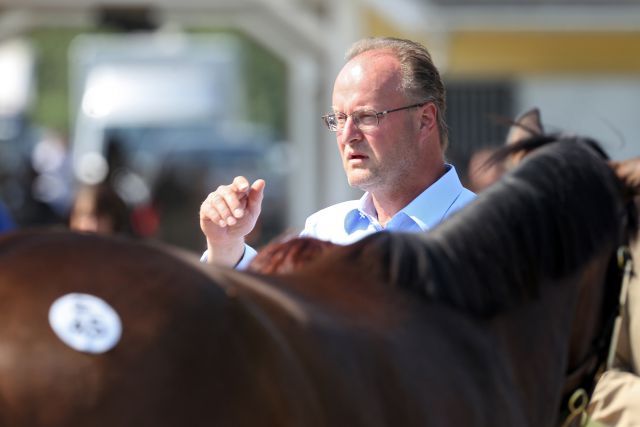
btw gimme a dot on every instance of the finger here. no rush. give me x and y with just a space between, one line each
256 195
218 202
241 184
235 202
208 213
238 200
258 188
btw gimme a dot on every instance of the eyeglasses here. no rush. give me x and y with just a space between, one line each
363 119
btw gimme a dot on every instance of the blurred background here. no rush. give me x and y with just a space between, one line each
164 100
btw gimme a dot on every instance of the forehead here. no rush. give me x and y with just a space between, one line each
370 78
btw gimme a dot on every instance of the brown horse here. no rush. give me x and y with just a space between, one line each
489 320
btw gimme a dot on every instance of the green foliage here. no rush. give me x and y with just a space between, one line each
266 78
52 101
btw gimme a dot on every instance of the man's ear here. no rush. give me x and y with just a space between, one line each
429 117
525 126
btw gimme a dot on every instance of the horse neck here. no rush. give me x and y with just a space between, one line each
548 336
589 324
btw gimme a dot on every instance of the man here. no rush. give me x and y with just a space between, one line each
388 115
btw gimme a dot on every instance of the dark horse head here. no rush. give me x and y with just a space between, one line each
482 321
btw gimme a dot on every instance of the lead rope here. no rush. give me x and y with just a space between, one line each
625 262
578 408
579 400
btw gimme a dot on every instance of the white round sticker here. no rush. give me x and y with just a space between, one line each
85 323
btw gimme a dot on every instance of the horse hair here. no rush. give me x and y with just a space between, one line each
543 220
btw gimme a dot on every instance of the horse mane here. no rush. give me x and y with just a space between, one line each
542 220
288 255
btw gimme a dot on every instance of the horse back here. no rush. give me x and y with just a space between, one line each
172 364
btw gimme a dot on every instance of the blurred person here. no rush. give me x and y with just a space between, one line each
6 221
629 173
53 175
482 171
525 126
46 189
99 209
389 119
120 177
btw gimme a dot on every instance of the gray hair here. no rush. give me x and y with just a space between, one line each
421 80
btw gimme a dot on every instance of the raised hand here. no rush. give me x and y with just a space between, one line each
227 215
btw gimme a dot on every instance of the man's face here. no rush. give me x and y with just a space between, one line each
382 157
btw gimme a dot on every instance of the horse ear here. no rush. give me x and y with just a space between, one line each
525 126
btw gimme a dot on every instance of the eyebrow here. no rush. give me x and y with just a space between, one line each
335 110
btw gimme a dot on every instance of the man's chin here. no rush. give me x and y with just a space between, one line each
360 182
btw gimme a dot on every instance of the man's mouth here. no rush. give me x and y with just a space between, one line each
356 156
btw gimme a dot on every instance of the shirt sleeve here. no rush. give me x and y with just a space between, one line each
306 231
248 256
311 226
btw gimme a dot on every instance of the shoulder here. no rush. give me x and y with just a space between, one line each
333 212
466 196
329 223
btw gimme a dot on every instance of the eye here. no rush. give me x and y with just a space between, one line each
340 118
368 118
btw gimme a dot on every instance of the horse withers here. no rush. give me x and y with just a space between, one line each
490 319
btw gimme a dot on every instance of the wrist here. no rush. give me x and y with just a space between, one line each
227 253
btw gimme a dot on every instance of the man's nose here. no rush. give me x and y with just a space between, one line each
350 132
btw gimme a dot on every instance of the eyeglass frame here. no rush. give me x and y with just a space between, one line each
356 121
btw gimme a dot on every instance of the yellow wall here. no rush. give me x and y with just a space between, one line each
500 53
505 53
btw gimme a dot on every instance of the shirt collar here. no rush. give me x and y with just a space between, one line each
362 216
432 205
425 211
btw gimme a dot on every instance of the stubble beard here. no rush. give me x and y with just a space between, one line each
364 179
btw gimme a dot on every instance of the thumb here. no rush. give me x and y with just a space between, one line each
256 193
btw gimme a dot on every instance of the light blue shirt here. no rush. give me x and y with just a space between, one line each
347 222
